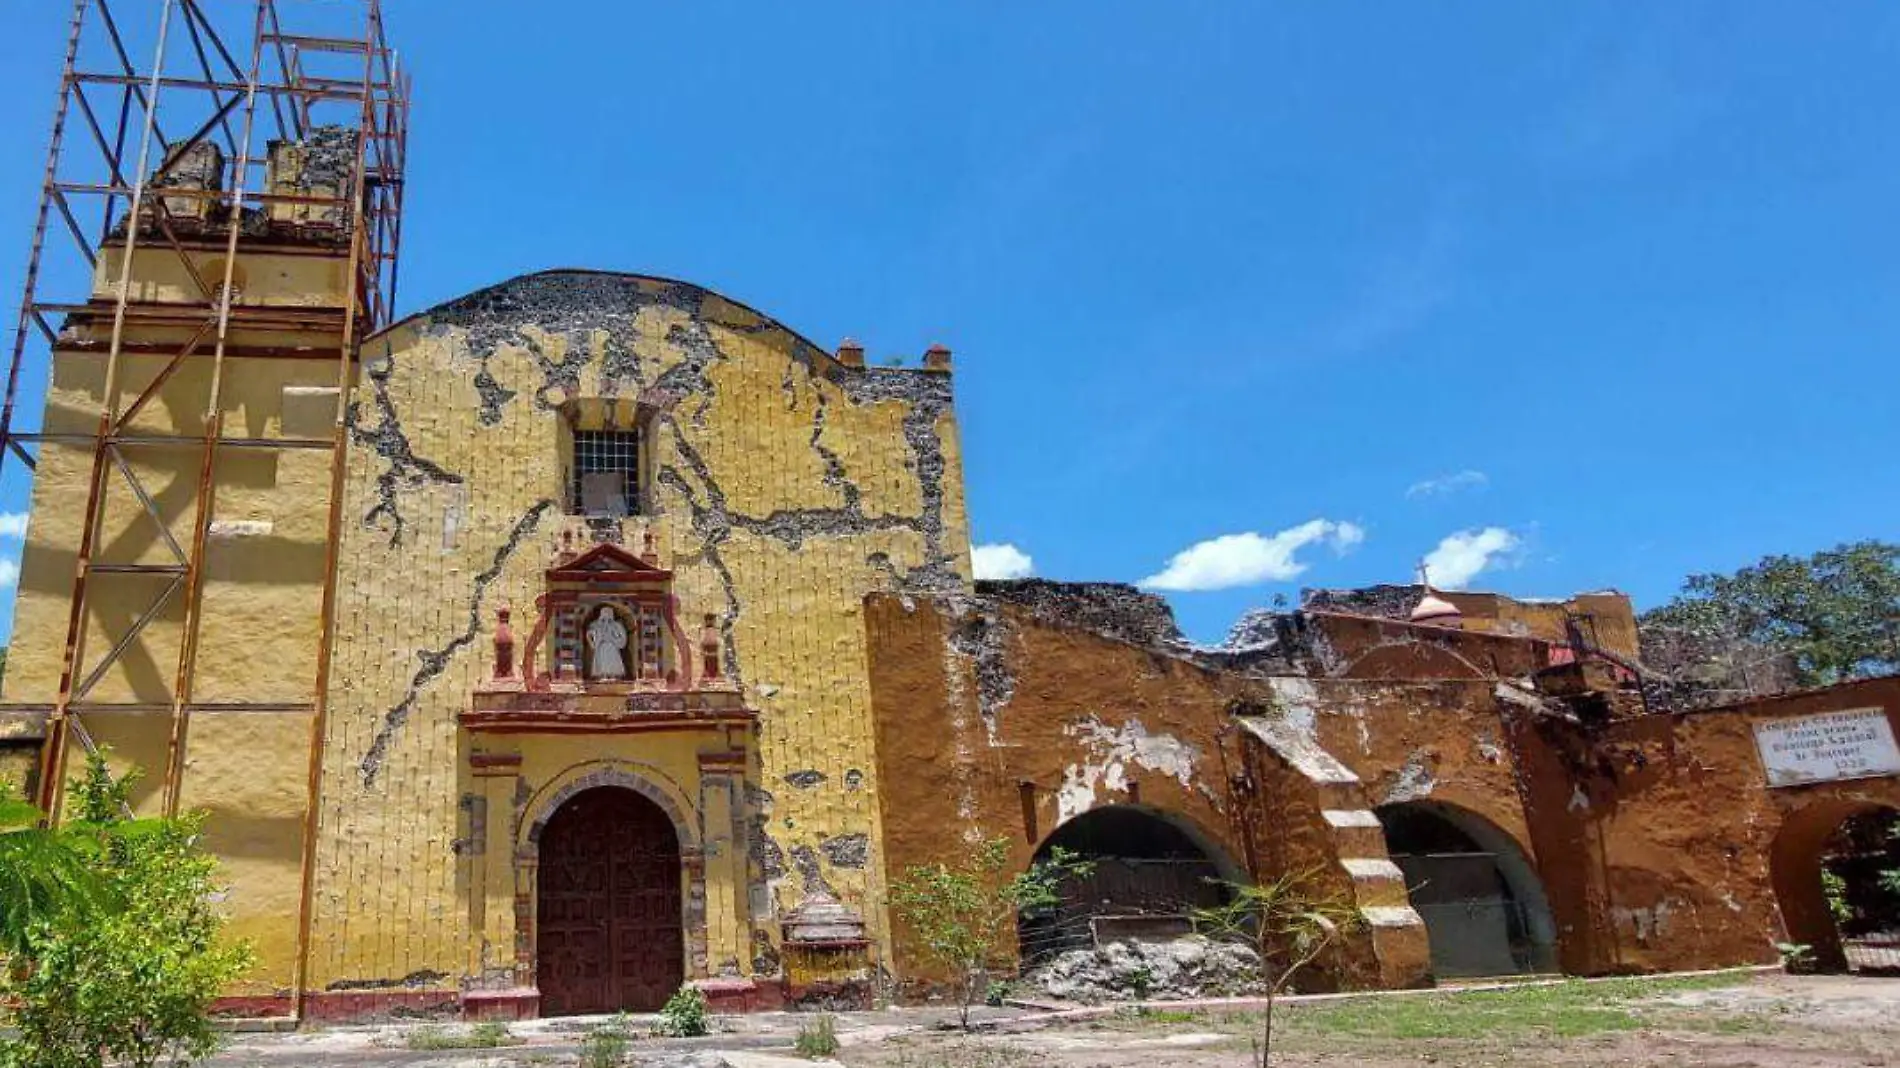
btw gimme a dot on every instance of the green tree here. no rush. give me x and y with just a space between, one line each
1289 922
960 914
1786 621
44 872
130 982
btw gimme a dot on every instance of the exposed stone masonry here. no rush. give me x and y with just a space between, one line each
1115 609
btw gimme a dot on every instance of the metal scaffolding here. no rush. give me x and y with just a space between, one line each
165 142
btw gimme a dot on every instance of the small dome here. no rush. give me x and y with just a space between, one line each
1432 608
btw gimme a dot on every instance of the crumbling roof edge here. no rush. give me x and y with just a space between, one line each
599 273
1421 626
1790 695
1176 653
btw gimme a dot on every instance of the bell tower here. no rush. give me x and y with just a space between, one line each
217 231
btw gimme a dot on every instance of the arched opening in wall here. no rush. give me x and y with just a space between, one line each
1482 902
1836 870
608 912
1151 870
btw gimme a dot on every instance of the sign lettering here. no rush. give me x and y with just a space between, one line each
1854 744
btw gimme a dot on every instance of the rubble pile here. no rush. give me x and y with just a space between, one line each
1192 967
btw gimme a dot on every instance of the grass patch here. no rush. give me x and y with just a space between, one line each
1557 1010
1738 1025
606 1046
488 1035
819 1038
1137 1017
1166 1016
965 1055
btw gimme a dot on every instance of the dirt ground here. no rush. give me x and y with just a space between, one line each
1727 1020
1783 1021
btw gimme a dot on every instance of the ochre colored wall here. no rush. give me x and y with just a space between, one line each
975 698
258 635
1668 821
786 487
258 639
1611 615
1654 839
997 722
1368 647
1442 742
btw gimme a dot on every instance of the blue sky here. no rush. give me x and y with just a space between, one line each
1602 293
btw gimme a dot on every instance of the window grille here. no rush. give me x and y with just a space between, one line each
606 472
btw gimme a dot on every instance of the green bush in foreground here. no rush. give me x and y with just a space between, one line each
129 982
684 1014
962 915
44 871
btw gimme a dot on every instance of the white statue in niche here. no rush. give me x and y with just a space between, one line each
607 637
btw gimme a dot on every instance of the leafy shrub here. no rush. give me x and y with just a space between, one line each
998 992
819 1038
961 914
44 871
684 1014
132 980
1797 958
1834 889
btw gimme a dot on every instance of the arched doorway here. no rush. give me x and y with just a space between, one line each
1482 903
1150 872
608 920
1836 870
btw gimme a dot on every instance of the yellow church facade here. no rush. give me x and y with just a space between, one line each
554 694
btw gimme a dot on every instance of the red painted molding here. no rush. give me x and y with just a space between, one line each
346 1006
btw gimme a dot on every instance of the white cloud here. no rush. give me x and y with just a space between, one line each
9 573
1001 561
1247 559
1455 482
1461 556
12 524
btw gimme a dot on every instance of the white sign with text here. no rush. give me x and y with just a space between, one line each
1855 744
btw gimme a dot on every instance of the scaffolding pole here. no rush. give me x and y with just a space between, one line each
307 68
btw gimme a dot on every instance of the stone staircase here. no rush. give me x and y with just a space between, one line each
1354 841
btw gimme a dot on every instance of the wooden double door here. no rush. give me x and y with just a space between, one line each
608 927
